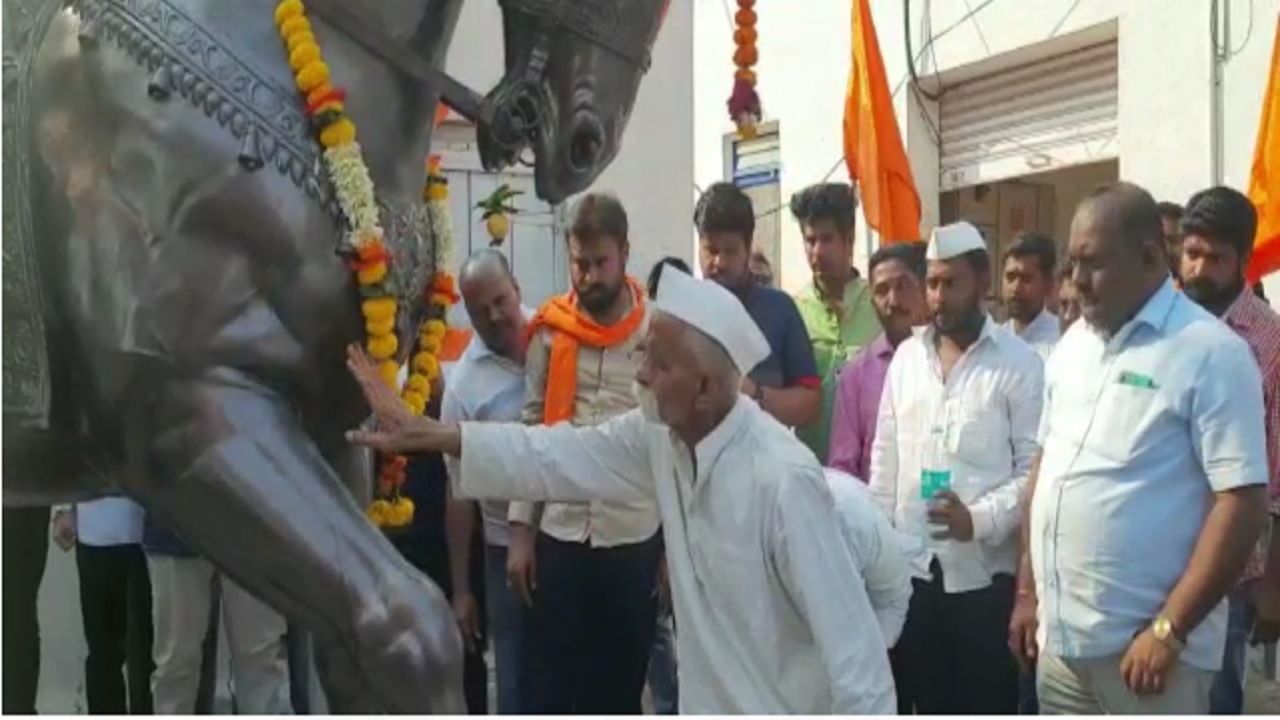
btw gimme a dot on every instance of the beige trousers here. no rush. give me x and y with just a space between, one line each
182 593
1093 686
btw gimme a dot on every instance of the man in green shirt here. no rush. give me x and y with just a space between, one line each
836 306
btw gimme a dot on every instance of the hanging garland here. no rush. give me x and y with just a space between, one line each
370 258
744 103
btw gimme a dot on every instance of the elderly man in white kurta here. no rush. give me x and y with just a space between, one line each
773 614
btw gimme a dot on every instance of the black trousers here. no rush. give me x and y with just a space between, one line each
115 602
953 656
26 548
590 629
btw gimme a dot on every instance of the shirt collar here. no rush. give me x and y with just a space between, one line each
1240 314
989 332
880 347
1153 314
851 290
717 441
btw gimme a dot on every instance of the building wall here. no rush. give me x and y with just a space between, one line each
1165 81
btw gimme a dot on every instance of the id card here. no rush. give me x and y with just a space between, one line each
933 482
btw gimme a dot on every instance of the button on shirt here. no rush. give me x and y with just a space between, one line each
987 411
857 407
773 614
1254 320
1041 334
1139 432
484 386
837 334
604 391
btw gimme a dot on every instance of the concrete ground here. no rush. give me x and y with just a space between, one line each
62 657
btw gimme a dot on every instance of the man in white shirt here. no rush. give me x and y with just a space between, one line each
1030 266
115 601
1150 491
487 384
953 446
877 549
772 614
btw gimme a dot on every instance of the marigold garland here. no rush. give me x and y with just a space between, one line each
369 257
744 103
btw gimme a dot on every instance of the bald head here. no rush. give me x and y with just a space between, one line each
1121 213
483 263
1117 254
492 298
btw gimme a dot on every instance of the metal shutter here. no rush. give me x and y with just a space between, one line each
1054 113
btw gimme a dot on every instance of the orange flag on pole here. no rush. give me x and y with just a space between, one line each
1264 176
873 149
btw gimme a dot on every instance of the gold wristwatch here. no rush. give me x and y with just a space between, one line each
1162 627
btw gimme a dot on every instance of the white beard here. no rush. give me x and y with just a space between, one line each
647 402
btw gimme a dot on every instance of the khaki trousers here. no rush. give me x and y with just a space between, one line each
1093 686
182 591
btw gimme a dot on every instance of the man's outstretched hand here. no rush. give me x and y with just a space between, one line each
395 429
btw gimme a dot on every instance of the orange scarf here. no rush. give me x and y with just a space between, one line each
572 327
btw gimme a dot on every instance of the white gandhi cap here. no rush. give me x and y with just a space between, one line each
954 240
716 313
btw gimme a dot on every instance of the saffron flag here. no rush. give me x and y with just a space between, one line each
873 149
1264 176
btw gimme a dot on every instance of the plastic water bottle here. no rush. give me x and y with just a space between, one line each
935 468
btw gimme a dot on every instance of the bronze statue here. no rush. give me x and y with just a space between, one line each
174 309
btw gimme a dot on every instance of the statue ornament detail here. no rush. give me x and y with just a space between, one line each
370 258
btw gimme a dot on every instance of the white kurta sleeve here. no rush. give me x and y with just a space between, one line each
817 570
996 514
603 463
884 448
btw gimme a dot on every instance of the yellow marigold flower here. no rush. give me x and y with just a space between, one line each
380 327
429 345
303 55
379 308
373 274
401 512
442 300
379 512
434 328
437 191
312 74
294 25
426 363
416 401
296 40
338 133
288 9
382 347
418 383
390 372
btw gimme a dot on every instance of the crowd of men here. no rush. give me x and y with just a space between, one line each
871 497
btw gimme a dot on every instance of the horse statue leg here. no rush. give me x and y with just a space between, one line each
233 472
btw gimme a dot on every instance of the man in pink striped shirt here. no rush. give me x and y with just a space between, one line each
897 292
1218 226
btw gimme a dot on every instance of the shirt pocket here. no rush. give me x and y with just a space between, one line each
976 435
1122 420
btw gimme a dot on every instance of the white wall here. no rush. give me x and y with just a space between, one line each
1165 72
653 171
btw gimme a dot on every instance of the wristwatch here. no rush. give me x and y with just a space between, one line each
1162 627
